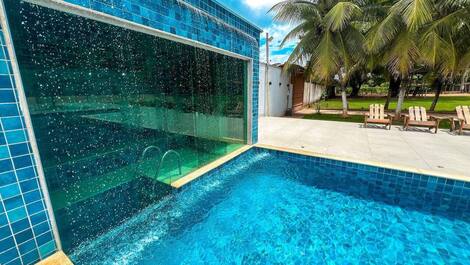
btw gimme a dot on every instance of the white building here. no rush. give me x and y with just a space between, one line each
285 91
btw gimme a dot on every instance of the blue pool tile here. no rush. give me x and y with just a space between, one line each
35 207
9 191
44 238
20 225
3 140
5 232
4 70
5 81
13 202
6 244
29 185
5 165
31 257
3 219
4 152
27 246
32 196
12 123
16 261
22 161
8 255
26 173
24 236
19 149
7 96
14 137
41 228
47 248
38 218
17 214
7 178
8 109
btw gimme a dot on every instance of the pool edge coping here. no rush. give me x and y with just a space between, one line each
58 258
367 162
209 167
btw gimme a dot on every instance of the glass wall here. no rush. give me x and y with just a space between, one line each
107 103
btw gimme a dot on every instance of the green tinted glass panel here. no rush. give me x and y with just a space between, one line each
107 103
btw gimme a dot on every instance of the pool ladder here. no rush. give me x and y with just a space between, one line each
167 154
163 157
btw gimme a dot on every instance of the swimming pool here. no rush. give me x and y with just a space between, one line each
270 207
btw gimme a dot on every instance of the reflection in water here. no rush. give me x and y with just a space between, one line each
100 95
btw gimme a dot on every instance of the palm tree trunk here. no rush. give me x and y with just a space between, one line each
394 85
401 99
344 98
389 97
464 79
437 85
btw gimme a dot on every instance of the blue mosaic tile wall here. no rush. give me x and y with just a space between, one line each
205 21
435 195
432 194
25 231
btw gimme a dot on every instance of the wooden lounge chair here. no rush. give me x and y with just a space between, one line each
377 115
418 118
463 116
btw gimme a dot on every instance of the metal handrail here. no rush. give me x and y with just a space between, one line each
141 159
148 148
167 153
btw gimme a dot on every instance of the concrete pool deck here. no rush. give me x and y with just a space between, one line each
443 154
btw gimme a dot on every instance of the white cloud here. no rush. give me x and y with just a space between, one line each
259 4
277 53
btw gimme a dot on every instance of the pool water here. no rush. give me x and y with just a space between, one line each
263 209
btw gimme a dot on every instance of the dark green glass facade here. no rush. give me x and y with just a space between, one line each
107 103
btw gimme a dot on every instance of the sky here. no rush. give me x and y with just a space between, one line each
256 11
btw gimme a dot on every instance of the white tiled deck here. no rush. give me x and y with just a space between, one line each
443 153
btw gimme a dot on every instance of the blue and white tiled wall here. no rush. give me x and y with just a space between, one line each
25 228
212 24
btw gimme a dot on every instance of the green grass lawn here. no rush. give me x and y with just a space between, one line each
445 124
445 104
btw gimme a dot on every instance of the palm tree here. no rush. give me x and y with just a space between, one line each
445 42
395 43
429 32
331 43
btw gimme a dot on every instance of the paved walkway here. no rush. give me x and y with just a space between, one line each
444 152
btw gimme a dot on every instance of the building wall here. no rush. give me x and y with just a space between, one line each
312 93
25 227
280 91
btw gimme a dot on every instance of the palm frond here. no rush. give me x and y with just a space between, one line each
325 60
403 54
415 13
294 11
340 15
299 31
434 49
383 33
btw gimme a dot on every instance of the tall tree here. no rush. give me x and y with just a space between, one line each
331 43
444 42
395 43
